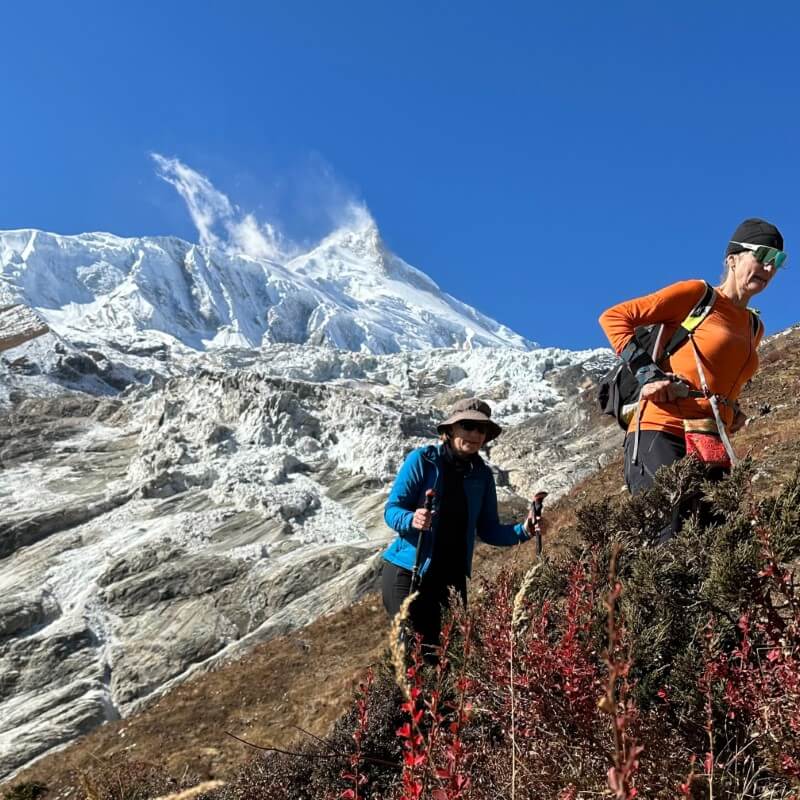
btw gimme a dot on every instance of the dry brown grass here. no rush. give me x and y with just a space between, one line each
300 681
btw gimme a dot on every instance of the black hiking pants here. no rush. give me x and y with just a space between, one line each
659 449
425 613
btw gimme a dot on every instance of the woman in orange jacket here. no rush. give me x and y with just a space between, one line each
717 361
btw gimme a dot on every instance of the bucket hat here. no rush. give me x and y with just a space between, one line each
473 409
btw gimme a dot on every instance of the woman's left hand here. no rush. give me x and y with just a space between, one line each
663 391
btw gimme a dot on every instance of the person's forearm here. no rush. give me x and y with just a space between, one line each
398 518
617 326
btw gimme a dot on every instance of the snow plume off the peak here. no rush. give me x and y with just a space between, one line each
223 225
243 285
219 222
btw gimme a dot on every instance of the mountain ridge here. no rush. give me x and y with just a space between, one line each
349 291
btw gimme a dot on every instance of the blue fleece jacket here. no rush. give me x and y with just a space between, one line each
420 472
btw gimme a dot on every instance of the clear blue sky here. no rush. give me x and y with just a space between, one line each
539 160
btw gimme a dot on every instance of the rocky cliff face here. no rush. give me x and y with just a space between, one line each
149 533
304 678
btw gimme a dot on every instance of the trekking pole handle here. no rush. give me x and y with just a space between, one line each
537 505
428 506
430 496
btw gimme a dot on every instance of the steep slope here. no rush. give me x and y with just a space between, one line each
301 679
150 535
194 459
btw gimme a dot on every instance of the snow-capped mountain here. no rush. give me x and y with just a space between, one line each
349 292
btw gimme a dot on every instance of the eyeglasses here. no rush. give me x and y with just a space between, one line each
764 254
472 425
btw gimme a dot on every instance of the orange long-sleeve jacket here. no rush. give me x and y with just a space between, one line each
725 340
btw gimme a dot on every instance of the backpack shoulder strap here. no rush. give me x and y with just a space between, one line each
696 315
755 320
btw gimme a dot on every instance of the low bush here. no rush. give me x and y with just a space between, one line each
28 790
628 670
122 778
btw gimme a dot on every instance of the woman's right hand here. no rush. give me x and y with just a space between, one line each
530 525
422 519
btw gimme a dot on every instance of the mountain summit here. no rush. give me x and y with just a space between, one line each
349 292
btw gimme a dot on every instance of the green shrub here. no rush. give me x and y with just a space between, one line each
26 791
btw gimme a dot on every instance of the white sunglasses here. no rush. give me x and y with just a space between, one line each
764 254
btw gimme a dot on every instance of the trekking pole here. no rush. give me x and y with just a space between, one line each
428 506
536 513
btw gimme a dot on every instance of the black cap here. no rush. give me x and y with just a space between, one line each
755 231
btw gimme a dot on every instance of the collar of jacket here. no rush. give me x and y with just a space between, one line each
434 454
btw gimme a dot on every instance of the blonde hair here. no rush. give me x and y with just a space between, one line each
726 267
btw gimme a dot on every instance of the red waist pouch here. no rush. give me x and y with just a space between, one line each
704 442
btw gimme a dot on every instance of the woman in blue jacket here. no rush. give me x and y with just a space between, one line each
465 506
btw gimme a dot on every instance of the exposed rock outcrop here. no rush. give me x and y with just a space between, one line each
19 324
